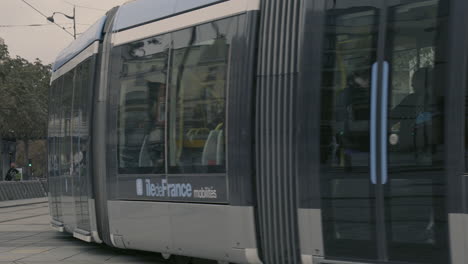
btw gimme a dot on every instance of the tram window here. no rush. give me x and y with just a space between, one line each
67 95
466 128
197 112
75 120
141 116
57 112
80 116
416 102
85 112
51 129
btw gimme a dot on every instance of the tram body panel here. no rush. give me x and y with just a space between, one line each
207 226
385 193
310 226
206 231
341 160
73 81
228 230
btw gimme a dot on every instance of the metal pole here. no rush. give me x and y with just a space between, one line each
74 23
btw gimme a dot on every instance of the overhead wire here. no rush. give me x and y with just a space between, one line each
42 14
18 27
31 25
37 25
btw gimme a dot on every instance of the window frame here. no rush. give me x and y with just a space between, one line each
216 184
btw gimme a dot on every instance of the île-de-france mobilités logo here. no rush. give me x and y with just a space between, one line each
139 187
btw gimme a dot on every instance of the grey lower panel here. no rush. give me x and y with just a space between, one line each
93 221
57 225
83 235
69 212
218 232
458 233
310 234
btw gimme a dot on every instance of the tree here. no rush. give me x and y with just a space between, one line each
24 88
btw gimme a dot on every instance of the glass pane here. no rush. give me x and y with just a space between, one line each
66 151
348 197
85 148
57 149
76 133
67 97
142 106
52 178
198 97
416 216
80 131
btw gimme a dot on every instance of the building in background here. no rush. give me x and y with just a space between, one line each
2 41
7 155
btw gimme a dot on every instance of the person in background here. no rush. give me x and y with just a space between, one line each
12 172
354 138
152 150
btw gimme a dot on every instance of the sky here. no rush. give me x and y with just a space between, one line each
47 40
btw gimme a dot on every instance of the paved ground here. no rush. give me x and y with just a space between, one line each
26 238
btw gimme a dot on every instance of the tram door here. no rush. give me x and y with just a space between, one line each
382 124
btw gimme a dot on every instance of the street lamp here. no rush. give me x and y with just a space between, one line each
51 19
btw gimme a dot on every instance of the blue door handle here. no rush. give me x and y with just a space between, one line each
383 123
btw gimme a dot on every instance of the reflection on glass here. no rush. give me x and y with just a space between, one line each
66 149
67 96
198 98
141 121
52 136
75 142
84 150
348 198
58 144
415 196
80 147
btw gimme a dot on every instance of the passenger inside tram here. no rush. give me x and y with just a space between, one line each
152 149
411 120
355 113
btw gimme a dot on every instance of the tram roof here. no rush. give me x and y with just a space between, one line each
131 14
139 12
81 43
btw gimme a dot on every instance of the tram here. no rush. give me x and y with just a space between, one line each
254 131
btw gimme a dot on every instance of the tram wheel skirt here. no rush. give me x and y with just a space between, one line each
220 232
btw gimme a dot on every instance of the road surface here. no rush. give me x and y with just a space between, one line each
27 238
